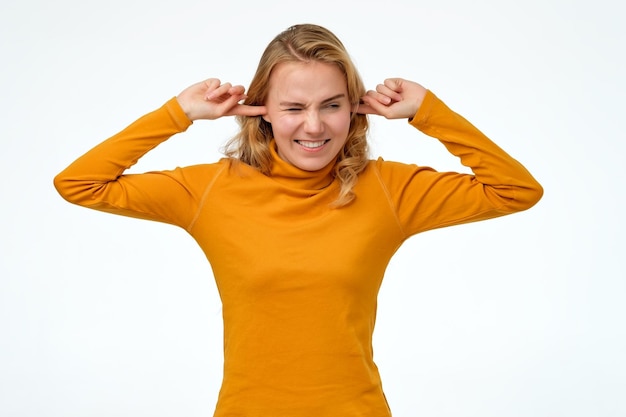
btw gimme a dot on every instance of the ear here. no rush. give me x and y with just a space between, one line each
266 118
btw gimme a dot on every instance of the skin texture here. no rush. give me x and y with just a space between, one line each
307 104
309 111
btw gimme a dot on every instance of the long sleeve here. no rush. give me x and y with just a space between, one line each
95 180
425 199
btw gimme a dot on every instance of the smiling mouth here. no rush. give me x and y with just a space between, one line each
312 144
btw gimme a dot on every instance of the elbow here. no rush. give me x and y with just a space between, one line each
61 184
514 198
528 196
538 194
69 188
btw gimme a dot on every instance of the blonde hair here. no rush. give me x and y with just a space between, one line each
304 43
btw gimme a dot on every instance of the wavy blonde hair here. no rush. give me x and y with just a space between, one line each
304 43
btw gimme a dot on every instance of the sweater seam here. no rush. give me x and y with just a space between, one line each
203 199
392 206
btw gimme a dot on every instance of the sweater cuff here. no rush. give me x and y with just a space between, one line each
177 114
424 111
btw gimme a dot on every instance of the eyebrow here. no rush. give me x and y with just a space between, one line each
295 104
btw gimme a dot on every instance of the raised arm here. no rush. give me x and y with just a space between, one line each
96 179
426 199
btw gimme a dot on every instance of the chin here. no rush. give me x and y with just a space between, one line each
311 166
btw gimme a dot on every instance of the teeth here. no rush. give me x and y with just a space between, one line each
307 144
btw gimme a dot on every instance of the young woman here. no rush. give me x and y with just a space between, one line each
297 222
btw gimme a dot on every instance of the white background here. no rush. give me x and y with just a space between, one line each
102 315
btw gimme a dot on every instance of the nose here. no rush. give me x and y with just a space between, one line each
313 123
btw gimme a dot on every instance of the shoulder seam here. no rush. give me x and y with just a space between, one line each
203 199
388 198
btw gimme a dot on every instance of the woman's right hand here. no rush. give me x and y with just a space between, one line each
210 99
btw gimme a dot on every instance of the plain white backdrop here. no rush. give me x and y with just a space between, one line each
522 316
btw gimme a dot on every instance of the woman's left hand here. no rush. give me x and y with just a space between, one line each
396 98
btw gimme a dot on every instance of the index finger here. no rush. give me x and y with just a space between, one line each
364 108
247 110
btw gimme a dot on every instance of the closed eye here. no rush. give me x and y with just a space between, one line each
333 106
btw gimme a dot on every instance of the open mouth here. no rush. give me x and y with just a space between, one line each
312 144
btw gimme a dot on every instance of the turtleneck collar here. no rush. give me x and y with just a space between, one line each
296 178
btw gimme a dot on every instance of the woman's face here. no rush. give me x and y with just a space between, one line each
309 109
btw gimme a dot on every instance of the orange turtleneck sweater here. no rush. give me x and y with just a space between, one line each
298 280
